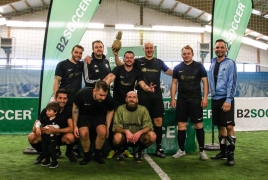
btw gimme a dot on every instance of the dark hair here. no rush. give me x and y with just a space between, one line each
101 85
188 47
61 91
97 41
221 40
78 46
53 106
130 52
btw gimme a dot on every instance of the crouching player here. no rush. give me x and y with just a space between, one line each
132 127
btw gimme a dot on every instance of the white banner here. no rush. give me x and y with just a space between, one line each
251 114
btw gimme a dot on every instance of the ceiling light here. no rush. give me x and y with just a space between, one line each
124 26
142 27
95 26
25 24
2 21
208 28
254 11
255 43
179 29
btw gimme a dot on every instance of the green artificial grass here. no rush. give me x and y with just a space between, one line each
251 160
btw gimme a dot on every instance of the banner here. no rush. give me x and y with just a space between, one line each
251 114
137 50
17 115
66 24
229 22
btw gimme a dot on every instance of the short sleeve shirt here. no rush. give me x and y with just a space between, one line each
151 73
189 79
71 75
89 106
132 120
62 117
124 82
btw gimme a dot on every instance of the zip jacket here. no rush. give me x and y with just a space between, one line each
226 81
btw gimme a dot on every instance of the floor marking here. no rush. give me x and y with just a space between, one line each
157 169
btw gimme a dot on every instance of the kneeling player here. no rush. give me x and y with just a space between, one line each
132 127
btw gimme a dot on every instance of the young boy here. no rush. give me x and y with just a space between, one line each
49 141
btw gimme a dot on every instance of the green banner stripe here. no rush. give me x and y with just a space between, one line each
230 20
67 23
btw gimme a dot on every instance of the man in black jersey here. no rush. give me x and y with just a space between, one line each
68 76
99 66
66 128
151 68
93 110
186 79
124 78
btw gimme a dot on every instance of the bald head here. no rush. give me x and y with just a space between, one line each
132 93
148 43
132 98
149 50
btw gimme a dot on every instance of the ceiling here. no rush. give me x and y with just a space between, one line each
192 10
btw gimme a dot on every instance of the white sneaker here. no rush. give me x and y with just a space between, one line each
203 155
179 153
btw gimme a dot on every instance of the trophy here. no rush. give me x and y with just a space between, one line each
117 43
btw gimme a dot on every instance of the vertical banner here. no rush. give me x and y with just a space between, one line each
66 24
229 22
137 50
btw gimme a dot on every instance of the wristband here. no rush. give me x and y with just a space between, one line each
38 124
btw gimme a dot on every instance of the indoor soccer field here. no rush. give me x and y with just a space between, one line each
35 35
250 157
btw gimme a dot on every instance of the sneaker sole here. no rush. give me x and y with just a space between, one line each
45 165
160 156
217 158
178 157
52 167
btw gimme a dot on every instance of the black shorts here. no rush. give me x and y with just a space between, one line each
91 121
219 117
189 109
155 106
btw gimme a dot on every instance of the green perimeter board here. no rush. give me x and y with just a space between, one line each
17 115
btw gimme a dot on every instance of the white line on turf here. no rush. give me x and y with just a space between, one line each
157 169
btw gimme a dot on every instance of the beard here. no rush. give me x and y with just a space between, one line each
132 107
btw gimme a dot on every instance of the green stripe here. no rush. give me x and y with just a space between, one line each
66 26
230 20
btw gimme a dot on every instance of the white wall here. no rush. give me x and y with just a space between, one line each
29 42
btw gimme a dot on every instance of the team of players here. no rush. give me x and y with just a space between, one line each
93 108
